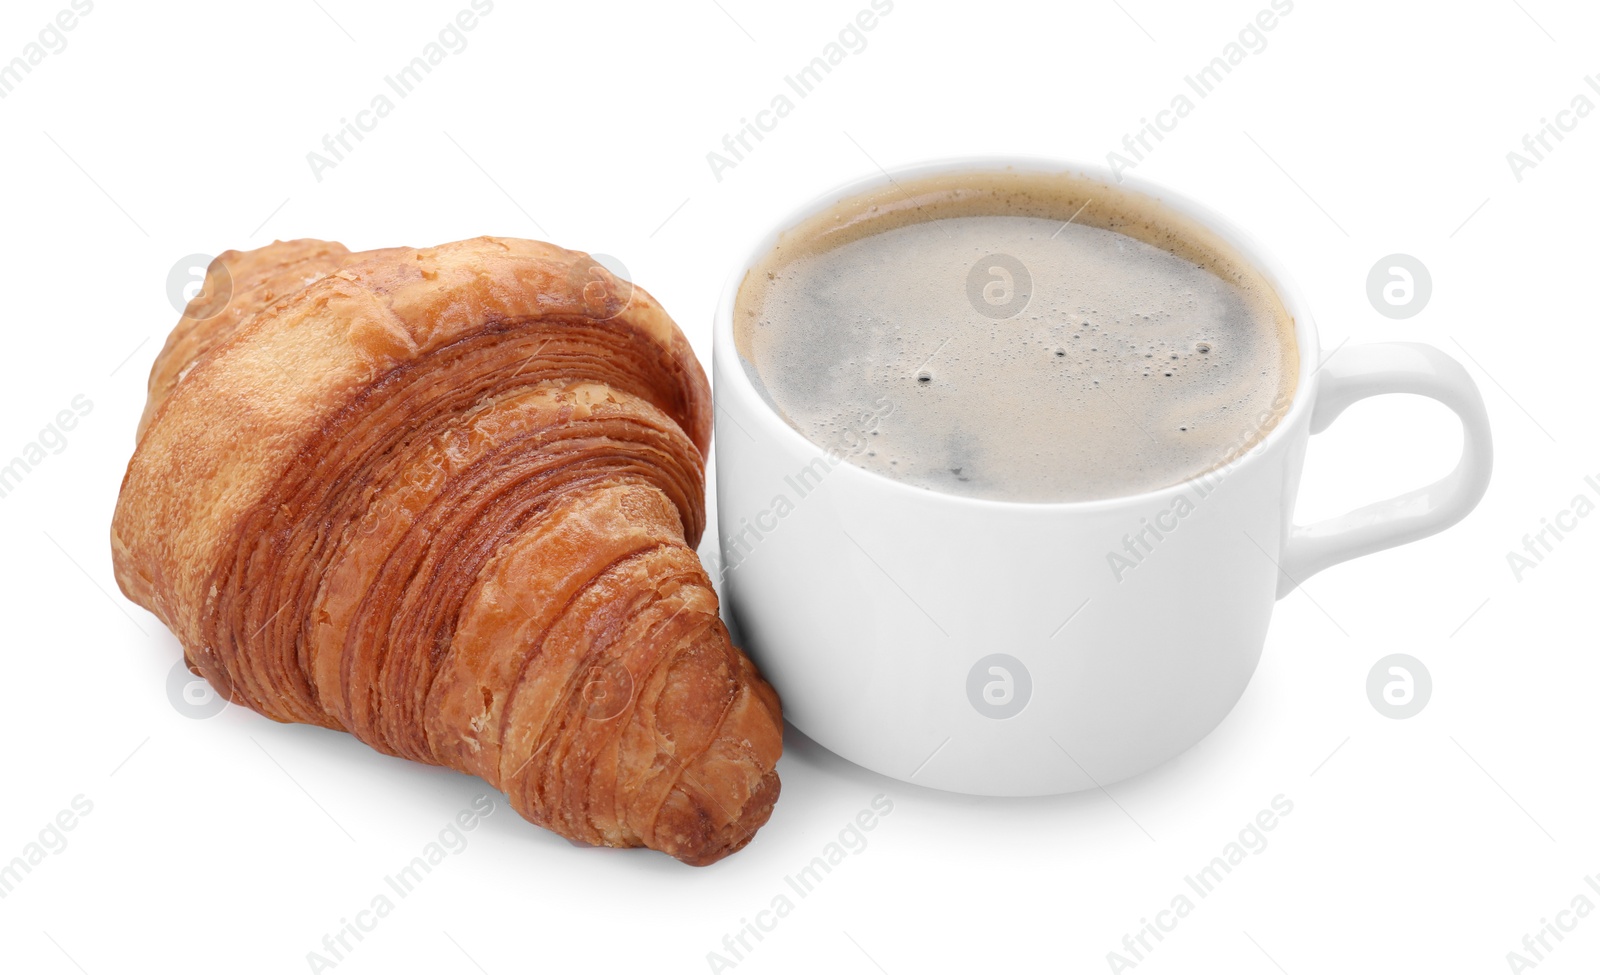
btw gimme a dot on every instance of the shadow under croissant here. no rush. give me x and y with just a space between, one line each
395 782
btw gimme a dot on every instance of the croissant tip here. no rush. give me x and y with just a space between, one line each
699 841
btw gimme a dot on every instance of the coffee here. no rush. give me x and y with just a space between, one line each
1017 337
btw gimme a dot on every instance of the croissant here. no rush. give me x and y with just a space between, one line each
447 500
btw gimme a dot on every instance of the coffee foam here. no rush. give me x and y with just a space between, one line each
1148 351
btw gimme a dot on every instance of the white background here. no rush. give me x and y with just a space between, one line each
1362 129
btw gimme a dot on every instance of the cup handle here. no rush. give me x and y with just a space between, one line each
1372 370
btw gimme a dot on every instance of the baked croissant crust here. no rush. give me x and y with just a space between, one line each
447 500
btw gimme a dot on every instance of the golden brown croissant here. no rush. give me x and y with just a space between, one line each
446 500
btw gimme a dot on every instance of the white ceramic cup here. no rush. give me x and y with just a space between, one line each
1000 648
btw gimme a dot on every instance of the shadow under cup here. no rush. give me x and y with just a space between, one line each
1003 647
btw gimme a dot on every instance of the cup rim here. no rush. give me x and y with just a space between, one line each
1247 247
